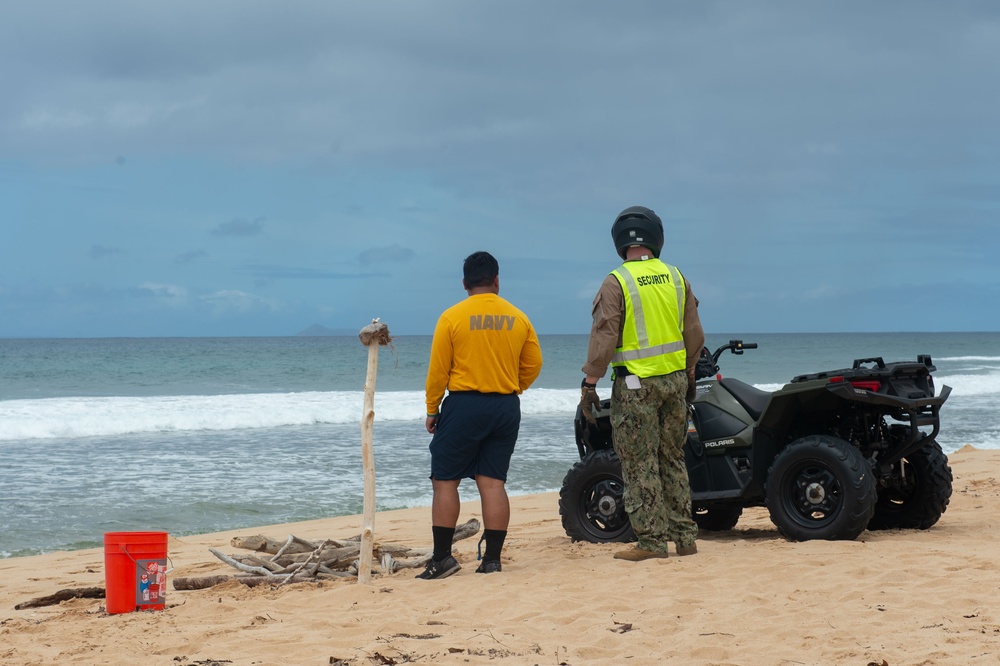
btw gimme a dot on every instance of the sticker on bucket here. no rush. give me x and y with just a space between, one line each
135 571
150 582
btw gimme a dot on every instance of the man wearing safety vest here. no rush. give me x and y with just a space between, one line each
646 327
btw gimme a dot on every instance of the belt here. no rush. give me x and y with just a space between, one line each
625 373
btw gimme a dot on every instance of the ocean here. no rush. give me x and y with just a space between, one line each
196 435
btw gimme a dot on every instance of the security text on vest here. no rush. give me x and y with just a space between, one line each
646 280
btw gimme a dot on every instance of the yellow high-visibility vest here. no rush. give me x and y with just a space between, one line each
652 337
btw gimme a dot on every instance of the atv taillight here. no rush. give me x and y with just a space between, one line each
867 385
863 384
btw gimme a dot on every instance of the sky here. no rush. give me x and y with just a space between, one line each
249 168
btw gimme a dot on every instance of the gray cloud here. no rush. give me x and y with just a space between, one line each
102 251
169 292
239 227
481 93
190 256
267 272
391 254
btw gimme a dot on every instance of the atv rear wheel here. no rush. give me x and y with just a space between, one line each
716 518
591 500
820 487
916 492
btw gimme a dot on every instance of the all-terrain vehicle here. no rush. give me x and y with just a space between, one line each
829 454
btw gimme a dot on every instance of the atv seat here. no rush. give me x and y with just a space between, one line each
753 399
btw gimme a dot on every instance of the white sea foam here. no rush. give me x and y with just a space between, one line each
971 385
110 416
52 418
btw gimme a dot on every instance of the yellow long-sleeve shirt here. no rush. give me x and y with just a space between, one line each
484 344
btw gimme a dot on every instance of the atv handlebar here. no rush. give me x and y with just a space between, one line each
708 364
736 346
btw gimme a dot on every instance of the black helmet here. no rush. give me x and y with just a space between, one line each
637 225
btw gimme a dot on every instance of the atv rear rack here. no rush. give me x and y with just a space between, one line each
920 412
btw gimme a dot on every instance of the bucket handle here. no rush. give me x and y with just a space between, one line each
171 568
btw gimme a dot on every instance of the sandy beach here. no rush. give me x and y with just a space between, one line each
748 597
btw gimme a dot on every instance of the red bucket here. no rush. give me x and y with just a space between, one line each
135 571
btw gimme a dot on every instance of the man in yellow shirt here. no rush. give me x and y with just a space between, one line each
484 353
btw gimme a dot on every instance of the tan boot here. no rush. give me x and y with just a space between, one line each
638 554
687 550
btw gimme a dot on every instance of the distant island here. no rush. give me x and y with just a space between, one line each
318 331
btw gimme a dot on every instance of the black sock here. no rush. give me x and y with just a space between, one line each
494 544
443 536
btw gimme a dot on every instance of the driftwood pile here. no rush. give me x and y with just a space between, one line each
298 560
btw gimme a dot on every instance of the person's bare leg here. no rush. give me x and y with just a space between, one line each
496 505
446 504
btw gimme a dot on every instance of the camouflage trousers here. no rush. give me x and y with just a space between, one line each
649 430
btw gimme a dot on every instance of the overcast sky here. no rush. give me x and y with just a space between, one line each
233 167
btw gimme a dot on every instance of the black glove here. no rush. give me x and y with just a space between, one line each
589 401
691 392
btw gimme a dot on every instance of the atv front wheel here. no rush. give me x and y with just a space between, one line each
915 492
591 500
820 487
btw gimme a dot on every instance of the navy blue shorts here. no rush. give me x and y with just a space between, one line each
475 435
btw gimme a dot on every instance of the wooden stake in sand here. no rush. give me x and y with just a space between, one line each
372 336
